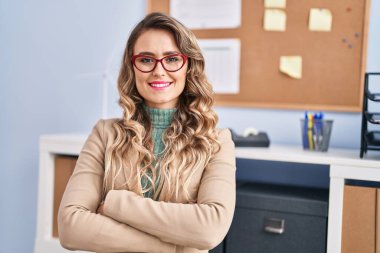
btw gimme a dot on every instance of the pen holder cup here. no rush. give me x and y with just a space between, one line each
316 134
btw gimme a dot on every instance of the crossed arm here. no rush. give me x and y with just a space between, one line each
80 227
131 223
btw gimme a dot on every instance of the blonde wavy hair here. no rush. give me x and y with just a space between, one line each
189 141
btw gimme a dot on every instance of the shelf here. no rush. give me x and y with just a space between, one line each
374 118
370 140
373 139
373 96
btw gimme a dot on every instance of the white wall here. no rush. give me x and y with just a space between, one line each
52 56
44 47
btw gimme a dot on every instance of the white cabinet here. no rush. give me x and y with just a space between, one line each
344 164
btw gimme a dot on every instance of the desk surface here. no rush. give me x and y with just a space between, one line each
280 153
292 153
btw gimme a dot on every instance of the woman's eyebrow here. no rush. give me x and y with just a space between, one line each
171 52
152 54
146 53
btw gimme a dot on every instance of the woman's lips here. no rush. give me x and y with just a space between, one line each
160 84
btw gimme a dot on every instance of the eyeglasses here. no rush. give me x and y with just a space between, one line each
170 63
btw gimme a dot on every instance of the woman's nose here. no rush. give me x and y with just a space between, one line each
159 69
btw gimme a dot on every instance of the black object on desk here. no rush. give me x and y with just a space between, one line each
370 138
254 140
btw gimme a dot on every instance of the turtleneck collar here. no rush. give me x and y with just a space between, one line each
160 118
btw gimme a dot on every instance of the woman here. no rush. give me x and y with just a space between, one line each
162 178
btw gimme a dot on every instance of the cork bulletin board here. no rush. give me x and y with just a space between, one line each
333 63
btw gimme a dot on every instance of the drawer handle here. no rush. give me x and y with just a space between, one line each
274 226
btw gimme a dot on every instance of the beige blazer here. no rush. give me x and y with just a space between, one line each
135 224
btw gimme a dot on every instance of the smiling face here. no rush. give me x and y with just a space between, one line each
160 89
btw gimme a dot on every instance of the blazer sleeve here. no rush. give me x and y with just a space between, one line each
202 225
79 226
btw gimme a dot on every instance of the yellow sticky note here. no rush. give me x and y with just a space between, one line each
292 66
320 20
275 3
274 20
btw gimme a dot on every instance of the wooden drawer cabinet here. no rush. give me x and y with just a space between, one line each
361 224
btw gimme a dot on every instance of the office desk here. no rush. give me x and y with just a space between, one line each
344 164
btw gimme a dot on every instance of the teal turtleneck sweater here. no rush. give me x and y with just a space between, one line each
160 120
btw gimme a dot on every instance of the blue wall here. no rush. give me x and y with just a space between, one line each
53 57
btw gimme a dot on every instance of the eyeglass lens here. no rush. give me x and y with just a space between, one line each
169 63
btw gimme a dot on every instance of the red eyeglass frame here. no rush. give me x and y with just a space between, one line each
134 57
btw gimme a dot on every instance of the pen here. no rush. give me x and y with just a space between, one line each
305 131
310 130
318 133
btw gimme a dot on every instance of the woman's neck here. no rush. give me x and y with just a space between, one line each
160 118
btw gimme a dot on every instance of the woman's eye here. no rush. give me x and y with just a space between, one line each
172 59
145 60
